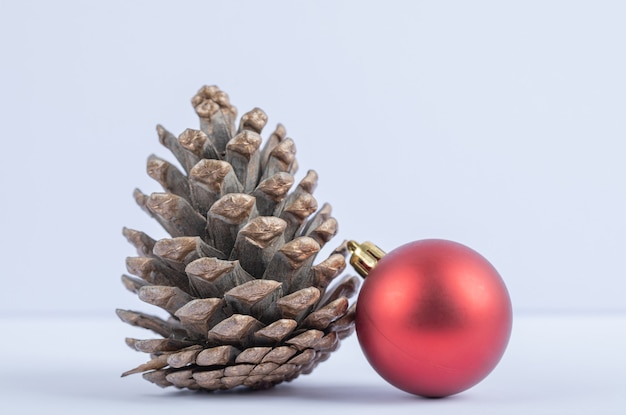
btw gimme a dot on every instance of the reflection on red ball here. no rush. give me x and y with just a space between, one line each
433 317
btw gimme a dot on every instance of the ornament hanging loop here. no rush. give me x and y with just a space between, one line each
364 257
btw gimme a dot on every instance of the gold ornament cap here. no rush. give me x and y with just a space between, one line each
364 257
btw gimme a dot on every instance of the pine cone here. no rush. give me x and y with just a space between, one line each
246 304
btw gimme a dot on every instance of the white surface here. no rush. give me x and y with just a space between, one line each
496 124
560 364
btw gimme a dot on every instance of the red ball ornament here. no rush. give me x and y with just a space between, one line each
433 316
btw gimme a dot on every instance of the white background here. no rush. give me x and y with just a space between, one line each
497 124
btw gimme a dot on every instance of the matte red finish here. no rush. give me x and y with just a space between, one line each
433 317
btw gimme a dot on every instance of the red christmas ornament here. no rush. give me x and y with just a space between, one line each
433 317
